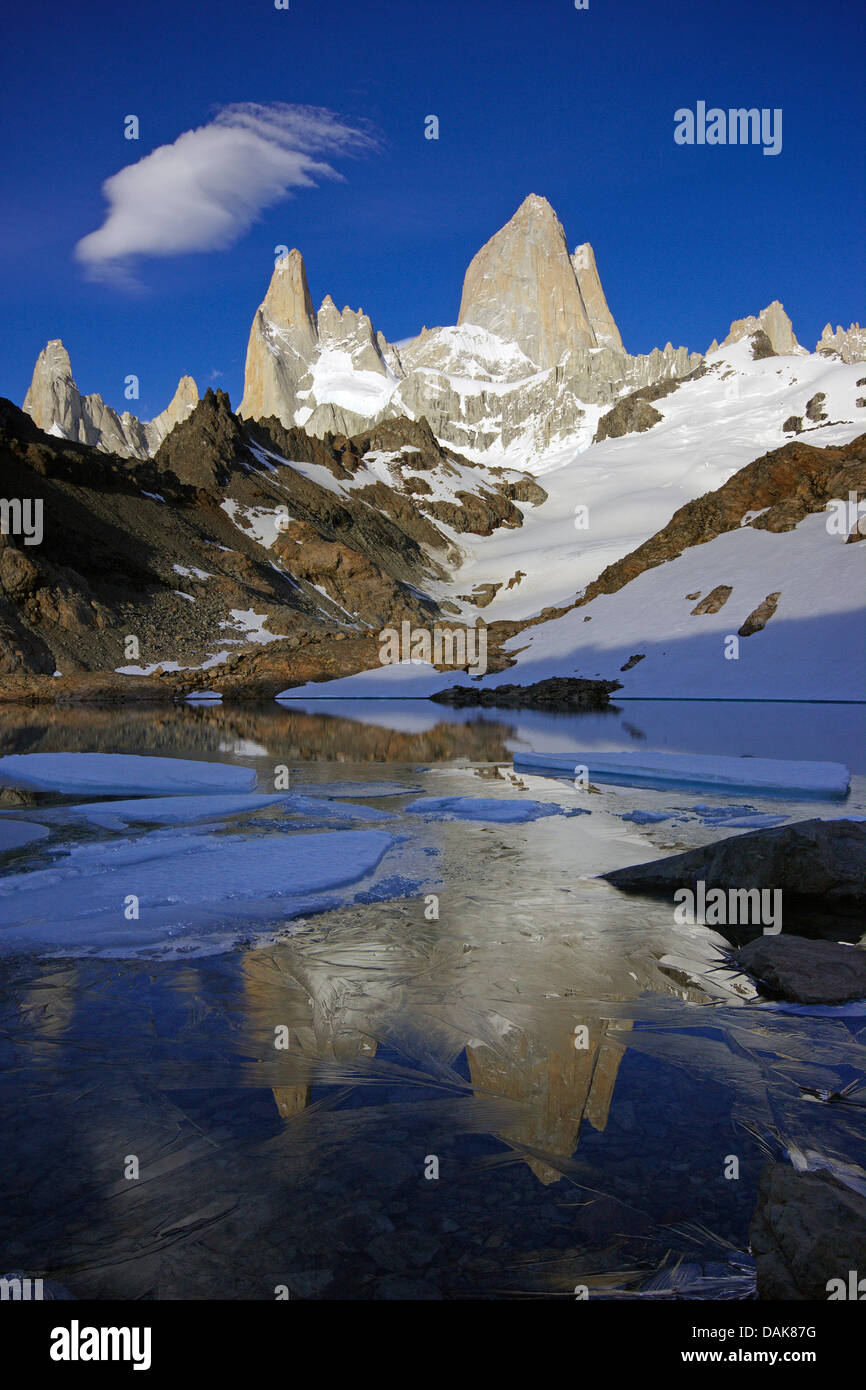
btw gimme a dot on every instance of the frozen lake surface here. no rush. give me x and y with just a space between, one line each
348 989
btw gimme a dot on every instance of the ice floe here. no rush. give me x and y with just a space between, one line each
80 774
170 889
15 834
769 775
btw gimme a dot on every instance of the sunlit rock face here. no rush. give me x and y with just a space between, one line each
601 319
774 322
847 343
522 287
282 343
534 344
56 405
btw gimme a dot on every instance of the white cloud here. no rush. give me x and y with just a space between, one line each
205 190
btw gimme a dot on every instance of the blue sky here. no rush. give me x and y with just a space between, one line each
531 95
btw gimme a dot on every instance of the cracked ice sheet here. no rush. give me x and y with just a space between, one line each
361 790
193 892
488 808
86 774
180 810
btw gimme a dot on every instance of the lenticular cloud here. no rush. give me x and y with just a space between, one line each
205 190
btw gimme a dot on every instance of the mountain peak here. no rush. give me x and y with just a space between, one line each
774 322
522 287
288 303
282 343
603 325
56 405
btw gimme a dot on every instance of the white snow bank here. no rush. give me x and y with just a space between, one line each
695 770
413 680
83 774
181 886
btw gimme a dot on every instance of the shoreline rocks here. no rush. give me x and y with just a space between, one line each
558 693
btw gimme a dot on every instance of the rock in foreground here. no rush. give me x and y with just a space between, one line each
805 971
808 1229
812 859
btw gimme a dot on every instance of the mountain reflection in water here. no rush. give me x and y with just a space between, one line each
577 1065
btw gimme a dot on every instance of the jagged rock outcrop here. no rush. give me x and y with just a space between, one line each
182 404
847 343
283 341
298 362
522 287
535 344
784 486
536 339
601 319
56 405
774 322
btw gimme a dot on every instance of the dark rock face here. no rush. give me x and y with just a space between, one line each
632 415
201 450
808 1229
804 971
815 408
823 859
793 424
761 346
556 693
790 483
715 599
145 548
760 616
633 661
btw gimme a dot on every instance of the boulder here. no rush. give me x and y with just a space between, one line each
808 1229
824 859
803 970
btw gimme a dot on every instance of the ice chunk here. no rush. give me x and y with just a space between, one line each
768 775
169 810
487 808
15 834
648 817
180 885
84 773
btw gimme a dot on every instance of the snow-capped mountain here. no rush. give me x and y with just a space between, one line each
533 356
502 468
